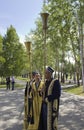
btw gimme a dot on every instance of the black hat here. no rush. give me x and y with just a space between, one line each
50 69
33 73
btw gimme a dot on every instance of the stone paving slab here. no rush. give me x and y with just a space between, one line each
71 114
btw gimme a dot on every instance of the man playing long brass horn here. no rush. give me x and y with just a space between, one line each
50 104
35 109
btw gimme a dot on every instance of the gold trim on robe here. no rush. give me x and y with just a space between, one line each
52 116
37 100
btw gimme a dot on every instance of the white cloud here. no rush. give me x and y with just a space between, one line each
22 38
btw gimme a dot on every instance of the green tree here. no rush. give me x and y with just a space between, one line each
13 52
2 60
62 34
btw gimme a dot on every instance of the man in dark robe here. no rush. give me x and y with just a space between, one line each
28 101
50 104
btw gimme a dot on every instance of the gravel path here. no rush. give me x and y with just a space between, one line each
71 115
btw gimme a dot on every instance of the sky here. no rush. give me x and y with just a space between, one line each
22 14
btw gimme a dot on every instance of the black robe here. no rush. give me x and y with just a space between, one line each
50 106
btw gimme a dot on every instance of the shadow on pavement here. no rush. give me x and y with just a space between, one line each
11 105
71 115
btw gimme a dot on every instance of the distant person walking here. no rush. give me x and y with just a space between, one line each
8 83
13 82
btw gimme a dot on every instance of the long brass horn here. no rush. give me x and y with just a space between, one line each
44 17
28 47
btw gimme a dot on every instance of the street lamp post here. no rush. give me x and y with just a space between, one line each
28 47
44 17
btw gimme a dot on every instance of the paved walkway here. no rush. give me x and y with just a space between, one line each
71 115
11 104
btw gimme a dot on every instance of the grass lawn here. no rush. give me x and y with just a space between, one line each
75 90
3 85
20 78
16 86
